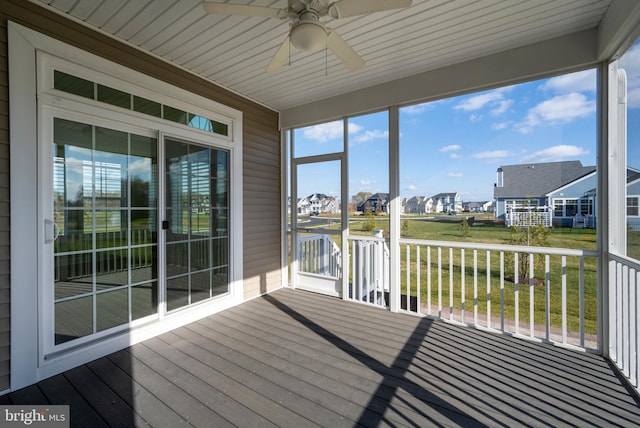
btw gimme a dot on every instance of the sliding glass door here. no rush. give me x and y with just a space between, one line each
110 265
197 223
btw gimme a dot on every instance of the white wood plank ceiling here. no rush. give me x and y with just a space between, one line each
234 51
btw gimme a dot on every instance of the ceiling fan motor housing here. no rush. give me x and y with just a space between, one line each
308 34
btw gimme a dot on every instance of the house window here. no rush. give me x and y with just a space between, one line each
558 208
571 207
632 206
586 206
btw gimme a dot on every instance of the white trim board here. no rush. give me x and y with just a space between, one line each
25 46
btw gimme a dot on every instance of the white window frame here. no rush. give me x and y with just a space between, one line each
28 75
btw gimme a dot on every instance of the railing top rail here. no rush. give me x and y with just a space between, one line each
365 238
632 263
503 247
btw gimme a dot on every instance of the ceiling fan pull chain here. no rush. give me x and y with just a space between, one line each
326 62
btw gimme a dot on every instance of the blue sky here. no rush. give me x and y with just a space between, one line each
456 144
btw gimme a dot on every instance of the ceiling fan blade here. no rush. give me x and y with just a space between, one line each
348 8
342 50
281 57
243 9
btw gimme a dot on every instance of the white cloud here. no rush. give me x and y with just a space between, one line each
367 182
574 82
375 134
556 153
455 174
450 148
416 109
502 107
479 101
454 156
329 131
557 110
411 187
499 126
493 154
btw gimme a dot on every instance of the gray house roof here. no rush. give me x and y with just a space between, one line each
538 179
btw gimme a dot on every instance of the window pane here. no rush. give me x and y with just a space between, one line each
144 300
73 85
74 319
146 106
534 142
175 115
112 309
114 97
319 139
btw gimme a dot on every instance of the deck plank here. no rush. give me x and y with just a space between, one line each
58 390
163 384
229 398
149 407
294 358
103 399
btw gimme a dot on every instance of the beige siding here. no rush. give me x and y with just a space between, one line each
261 146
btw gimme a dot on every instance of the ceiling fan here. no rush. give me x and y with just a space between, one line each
307 18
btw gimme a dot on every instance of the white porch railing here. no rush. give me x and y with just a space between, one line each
319 254
525 217
624 316
461 282
538 293
369 270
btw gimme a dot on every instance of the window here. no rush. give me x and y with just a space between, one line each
558 208
508 144
571 207
632 205
87 89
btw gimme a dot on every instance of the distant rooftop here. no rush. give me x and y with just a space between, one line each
538 179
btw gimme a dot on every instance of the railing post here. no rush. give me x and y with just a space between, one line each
394 218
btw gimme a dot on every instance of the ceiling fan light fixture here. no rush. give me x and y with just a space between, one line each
309 36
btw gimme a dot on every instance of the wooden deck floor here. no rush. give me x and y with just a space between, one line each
296 359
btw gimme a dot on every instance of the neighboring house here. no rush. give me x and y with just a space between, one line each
304 207
447 202
419 205
476 207
633 199
318 203
534 187
378 203
572 203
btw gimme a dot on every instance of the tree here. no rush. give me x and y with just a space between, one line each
369 223
465 227
536 236
404 229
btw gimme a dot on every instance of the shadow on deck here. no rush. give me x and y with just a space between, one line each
297 359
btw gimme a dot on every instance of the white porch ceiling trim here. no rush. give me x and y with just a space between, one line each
568 53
